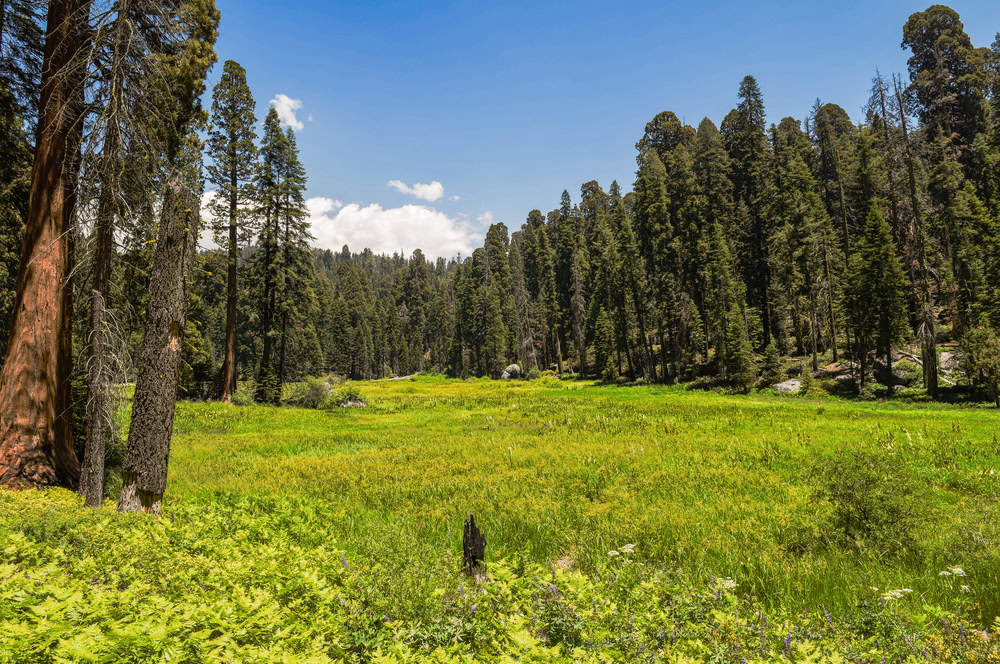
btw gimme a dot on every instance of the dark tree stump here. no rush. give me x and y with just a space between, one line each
473 549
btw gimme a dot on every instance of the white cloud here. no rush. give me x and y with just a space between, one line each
428 192
286 107
388 230
453 198
486 219
320 206
206 239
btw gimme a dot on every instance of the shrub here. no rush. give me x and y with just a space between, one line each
911 372
771 368
244 393
873 500
980 360
345 397
808 381
533 374
310 393
868 391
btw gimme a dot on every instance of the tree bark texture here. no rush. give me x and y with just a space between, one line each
36 440
92 475
148 451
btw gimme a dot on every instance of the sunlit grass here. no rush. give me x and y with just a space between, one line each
553 470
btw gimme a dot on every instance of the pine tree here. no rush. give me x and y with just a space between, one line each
296 297
746 143
268 256
604 344
876 304
233 153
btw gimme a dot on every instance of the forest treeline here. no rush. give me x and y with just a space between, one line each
737 244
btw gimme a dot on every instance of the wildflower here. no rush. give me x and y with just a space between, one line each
952 571
966 589
613 553
725 583
628 548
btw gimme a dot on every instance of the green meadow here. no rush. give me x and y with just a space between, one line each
622 523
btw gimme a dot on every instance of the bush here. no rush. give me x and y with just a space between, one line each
868 391
911 372
980 360
310 393
873 500
533 374
244 393
808 381
771 368
343 398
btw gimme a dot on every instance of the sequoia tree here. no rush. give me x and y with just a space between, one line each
36 440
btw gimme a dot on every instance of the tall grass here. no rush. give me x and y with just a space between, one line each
712 484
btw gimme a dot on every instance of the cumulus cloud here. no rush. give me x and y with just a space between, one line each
427 192
388 230
206 239
286 107
453 198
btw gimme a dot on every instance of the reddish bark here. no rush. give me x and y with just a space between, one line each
36 442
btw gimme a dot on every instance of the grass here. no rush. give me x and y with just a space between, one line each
559 474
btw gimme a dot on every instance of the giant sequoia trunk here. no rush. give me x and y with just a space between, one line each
148 452
36 442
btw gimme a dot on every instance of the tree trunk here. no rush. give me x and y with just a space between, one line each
928 347
229 359
36 440
829 301
148 452
92 475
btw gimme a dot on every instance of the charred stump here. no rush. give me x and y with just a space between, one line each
473 549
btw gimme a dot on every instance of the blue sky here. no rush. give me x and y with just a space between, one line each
507 104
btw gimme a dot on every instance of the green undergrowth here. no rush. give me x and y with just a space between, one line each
758 528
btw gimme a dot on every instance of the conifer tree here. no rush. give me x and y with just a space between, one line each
876 304
746 143
297 300
233 156
604 343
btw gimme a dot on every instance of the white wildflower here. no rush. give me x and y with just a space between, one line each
613 553
724 583
628 548
966 589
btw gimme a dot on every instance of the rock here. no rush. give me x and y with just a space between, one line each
512 371
898 388
948 361
789 386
